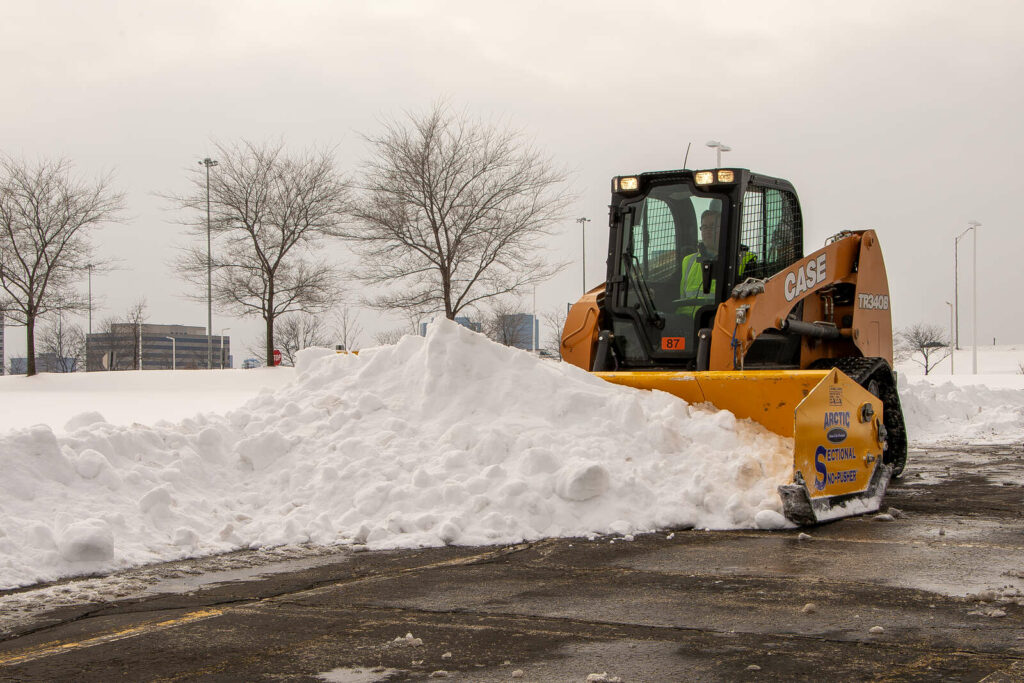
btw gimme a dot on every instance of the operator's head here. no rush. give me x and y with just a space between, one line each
710 221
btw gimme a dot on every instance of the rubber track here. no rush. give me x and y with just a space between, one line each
862 371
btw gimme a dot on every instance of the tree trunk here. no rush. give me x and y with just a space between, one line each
448 312
30 345
269 317
270 340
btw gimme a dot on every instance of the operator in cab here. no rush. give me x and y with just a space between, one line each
691 286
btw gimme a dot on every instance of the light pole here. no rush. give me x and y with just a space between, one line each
222 346
719 147
583 232
952 353
533 332
974 298
208 163
971 225
88 267
174 355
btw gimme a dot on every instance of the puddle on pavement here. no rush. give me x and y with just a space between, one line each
358 675
204 577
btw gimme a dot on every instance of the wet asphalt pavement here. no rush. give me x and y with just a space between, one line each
934 591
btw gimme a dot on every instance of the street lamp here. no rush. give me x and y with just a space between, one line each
533 332
974 296
972 226
174 355
719 147
88 267
583 232
956 281
952 353
208 163
222 346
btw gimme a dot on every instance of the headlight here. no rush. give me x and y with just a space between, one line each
709 177
627 184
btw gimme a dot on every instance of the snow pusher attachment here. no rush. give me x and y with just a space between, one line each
710 297
838 430
839 442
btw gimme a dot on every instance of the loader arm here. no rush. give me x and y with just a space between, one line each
835 322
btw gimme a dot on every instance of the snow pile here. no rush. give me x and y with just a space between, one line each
937 410
445 439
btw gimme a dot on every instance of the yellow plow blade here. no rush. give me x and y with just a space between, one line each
769 397
836 425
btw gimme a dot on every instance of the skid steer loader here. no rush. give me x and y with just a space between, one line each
710 297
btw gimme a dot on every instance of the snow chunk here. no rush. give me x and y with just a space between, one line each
260 451
90 463
770 519
156 501
86 419
582 481
603 677
90 540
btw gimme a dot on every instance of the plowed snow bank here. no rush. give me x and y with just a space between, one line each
445 439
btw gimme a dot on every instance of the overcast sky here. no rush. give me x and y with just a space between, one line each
904 117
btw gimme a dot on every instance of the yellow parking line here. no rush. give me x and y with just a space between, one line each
48 649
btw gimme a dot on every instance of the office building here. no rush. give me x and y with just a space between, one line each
518 330
45 362
120 348
461 320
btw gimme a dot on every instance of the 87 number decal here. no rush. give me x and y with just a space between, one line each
673 343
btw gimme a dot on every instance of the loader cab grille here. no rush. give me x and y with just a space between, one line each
771 233
771 238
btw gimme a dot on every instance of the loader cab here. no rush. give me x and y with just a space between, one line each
668 268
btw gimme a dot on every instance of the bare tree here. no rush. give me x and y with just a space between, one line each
46 215
112 346
135 316
505 324
347 329
64 343
297 331
269 211
554 321
389 336
453 212
926 345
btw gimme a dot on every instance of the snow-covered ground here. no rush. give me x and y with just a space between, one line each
127 397
443 439
987 407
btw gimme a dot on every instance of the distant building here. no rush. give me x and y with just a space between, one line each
45 362
119 348
518 330
250 363
461 320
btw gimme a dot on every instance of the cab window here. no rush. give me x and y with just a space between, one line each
770 232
